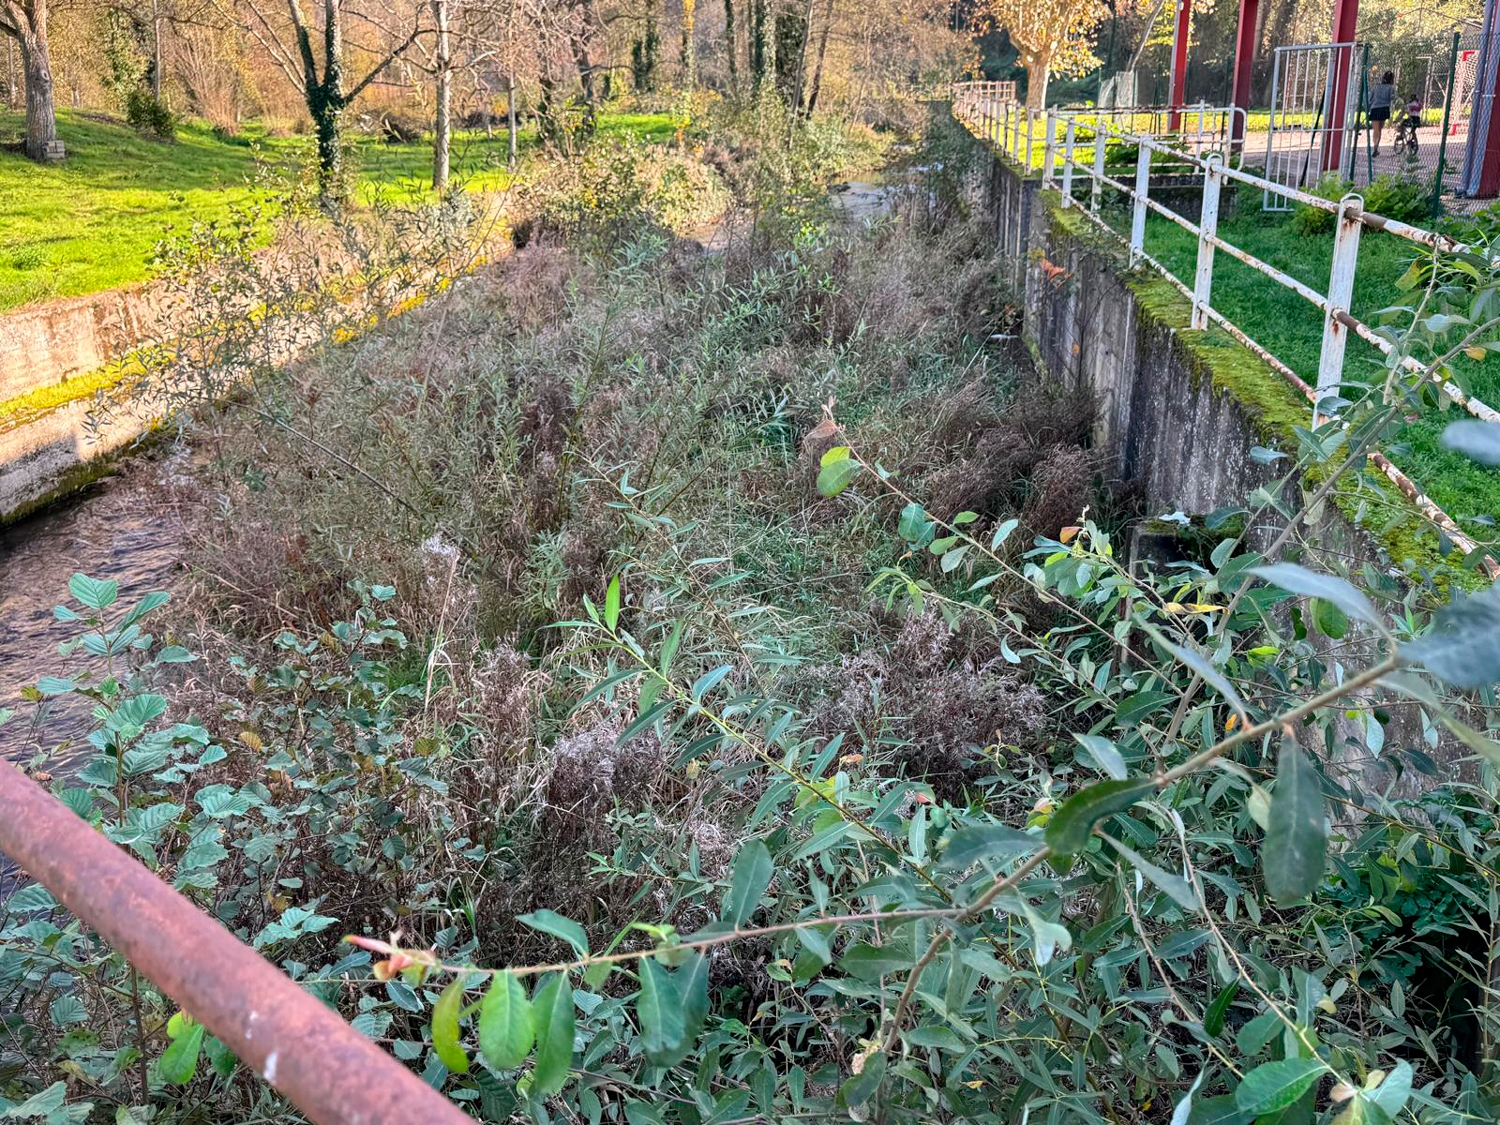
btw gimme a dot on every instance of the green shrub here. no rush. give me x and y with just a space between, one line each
149 115
1399 197
1307 219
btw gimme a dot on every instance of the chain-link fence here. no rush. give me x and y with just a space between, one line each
1428 133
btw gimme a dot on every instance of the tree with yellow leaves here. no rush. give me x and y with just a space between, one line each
1052 36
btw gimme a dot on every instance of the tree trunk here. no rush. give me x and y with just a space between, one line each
155 52
801 70
760 64
41 115
510 115
443 120
817 81
689 44
731 47
1037 72
326 113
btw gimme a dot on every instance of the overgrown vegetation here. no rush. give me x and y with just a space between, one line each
750 635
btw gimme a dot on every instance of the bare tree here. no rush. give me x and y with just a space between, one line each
318 74
26 22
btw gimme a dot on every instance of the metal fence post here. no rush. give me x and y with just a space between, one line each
1138 215
1049 151
1437 179
1030 131
1101 141
1340 293
1208 229
1067 176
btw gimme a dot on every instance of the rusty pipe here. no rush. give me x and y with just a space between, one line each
298 1044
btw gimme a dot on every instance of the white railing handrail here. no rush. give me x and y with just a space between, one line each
1001 123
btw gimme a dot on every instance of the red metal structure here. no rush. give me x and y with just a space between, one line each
1345 16
1181 35
1244 57
294 1041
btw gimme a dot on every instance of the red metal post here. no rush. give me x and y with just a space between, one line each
287 1036
1244 62
1345 17
1489 155
1180 36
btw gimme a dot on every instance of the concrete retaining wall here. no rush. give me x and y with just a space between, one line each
1178 411
43 345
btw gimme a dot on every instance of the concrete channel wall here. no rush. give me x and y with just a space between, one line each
1178 412
42 345
49 449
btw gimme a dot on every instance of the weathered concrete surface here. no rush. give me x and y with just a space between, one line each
1162 419
43 345
58 452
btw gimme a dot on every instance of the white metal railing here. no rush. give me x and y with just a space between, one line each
1055 134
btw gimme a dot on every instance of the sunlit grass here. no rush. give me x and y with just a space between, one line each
92 222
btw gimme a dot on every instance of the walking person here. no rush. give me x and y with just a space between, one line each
1382 96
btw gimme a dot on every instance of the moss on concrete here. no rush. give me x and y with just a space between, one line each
1272 407
18 411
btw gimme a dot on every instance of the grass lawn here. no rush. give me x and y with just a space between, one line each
1292 330
92 222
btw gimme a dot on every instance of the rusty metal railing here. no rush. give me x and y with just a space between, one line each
298 1044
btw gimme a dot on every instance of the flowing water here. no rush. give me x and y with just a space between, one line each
121 528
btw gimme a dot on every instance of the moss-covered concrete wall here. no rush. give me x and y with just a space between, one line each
1179 411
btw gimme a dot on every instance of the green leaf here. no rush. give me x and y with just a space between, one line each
708 681
1330 620
1300 580
644 722
1071 825
445 1027
94 592
1213 1019
1217 1111
1183 1112
1394 1091
180 1059
914 526
749 880
1463 647
1273 1086
553 1006
41 1104
935 1036
660 1010
1105 755
506 1025
1296 843
871 962
835 475
550 922
1178 889
969 846
862 1087
612 603
691 984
